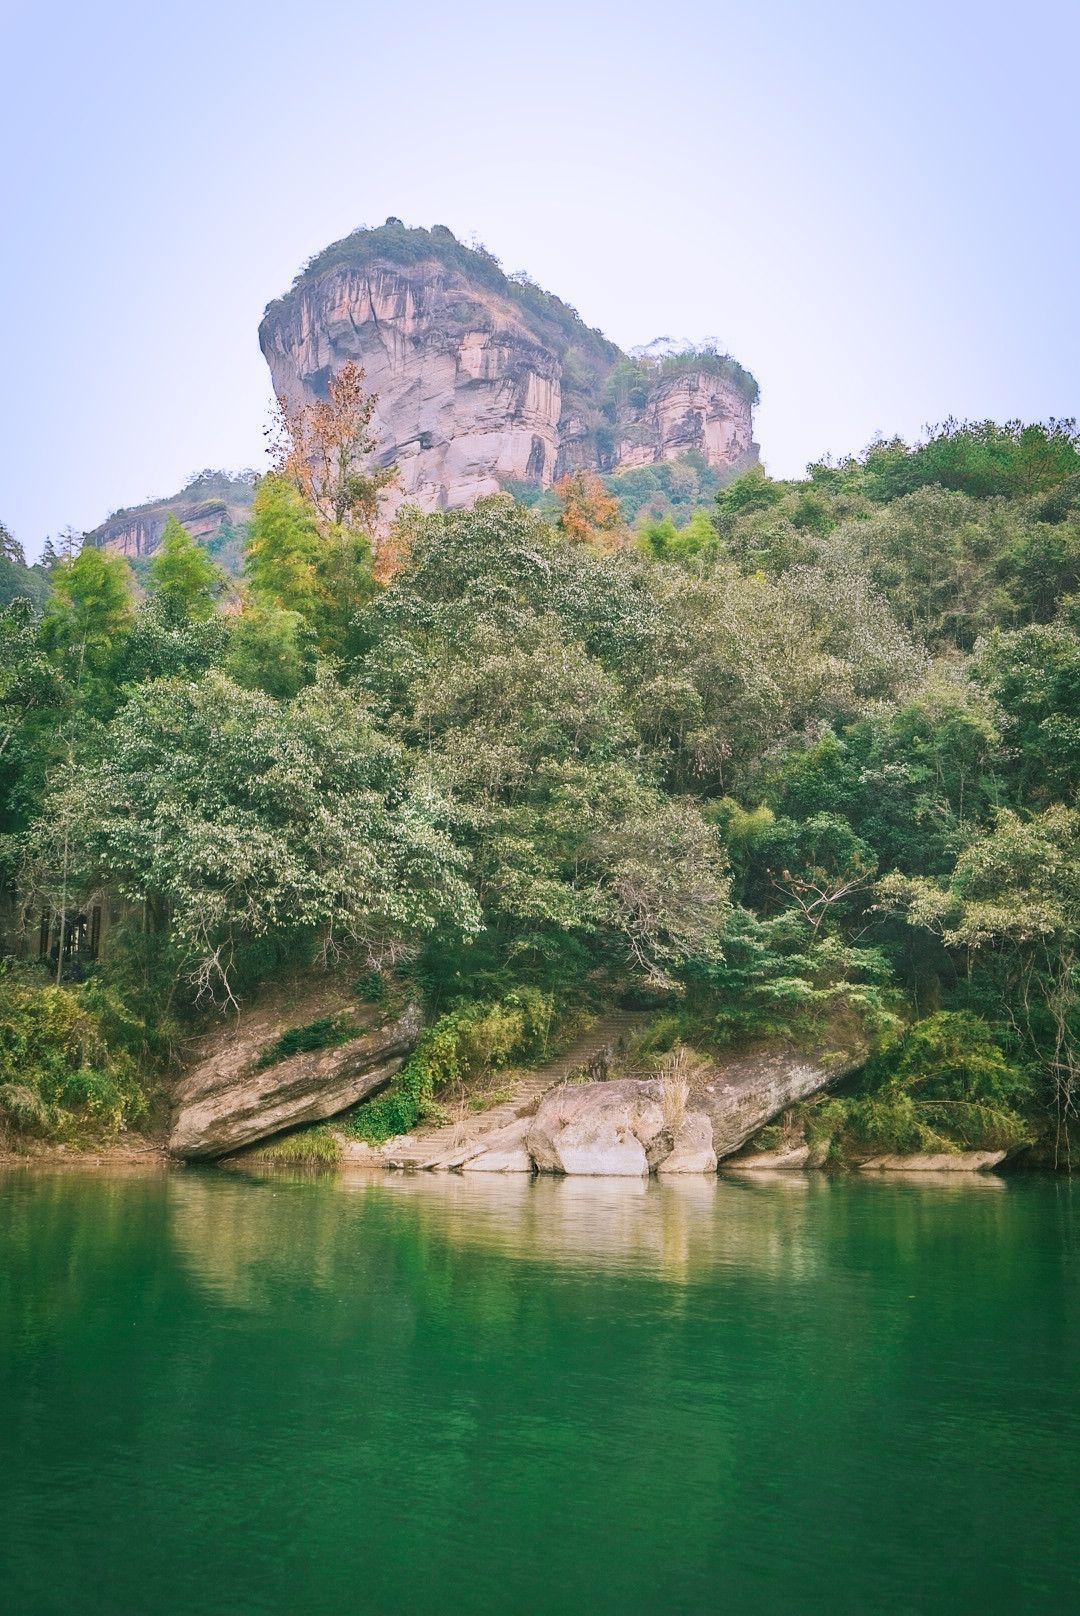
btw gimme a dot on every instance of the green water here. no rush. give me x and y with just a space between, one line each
418 1394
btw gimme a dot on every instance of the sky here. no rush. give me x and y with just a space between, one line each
873 207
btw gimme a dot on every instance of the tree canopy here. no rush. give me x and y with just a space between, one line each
811 751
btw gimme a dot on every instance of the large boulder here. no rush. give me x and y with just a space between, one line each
618 1130
692 1150
595 1129
743 1089
227 1103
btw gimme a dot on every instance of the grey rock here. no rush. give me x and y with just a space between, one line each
944 1161
224 1104
743 1089
692 1149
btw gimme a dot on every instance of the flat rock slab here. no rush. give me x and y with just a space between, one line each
225 1105
358 1153
945 1161
503 1151
769 1161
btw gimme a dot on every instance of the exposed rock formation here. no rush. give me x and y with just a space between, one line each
614 1130
483 379
748 1087
771 1161
942 1161
692 1149
226 1103
618 1129
504 1152
210 502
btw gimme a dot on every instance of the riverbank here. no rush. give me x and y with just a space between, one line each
152 1156
116 1154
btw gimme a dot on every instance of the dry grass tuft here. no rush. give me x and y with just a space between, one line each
675 1088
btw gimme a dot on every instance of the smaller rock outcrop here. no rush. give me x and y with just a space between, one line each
228 1102
692 1150
212 504
770 1161
940 1161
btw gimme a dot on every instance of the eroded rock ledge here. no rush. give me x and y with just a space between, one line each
226 1103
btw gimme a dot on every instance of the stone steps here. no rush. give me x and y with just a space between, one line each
451 1144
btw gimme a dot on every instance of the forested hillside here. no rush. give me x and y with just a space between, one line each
811 755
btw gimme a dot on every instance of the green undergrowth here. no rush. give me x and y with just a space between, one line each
308 1147
491 1097
773 980
465 1045
943 1085
59 1079
326 1032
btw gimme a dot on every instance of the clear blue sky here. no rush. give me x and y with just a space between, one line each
874 207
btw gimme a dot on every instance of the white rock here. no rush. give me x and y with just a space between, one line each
693 1150
598 1129
503 1152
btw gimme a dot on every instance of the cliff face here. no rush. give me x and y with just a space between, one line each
484 380
210 502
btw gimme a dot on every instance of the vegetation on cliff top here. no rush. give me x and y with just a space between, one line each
811 754
555 323
205 487
590 360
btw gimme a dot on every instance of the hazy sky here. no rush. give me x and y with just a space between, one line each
874 207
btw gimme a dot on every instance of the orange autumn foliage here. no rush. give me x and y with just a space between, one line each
590 515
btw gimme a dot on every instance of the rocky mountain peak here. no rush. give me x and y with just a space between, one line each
484 379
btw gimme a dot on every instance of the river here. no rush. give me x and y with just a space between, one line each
414 1394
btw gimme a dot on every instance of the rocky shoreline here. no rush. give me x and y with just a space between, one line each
582 1115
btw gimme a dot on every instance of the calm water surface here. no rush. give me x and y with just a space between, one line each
418 1394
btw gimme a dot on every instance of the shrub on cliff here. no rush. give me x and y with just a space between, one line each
463 1046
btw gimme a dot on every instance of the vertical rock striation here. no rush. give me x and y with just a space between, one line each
484 380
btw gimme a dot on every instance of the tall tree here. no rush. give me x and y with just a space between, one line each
86 621
283 549
328 449
182 576
589 515
296 564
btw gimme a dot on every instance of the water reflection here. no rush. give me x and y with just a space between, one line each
430 1394
240 1234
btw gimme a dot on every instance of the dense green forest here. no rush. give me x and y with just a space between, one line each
801 755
